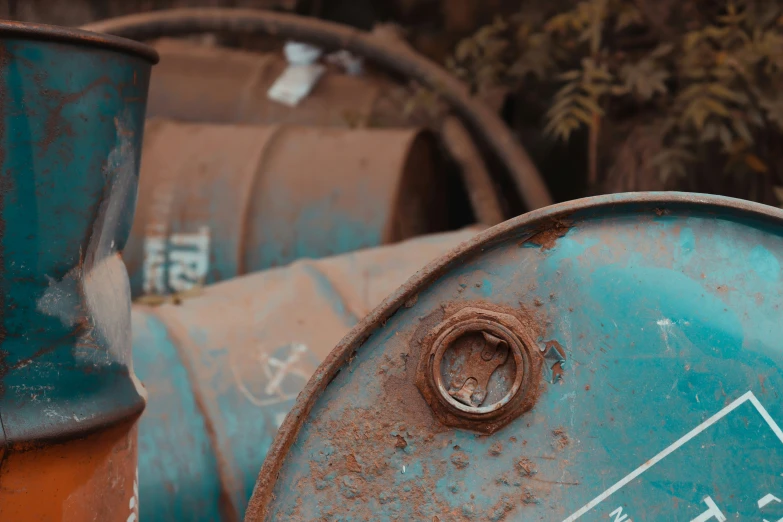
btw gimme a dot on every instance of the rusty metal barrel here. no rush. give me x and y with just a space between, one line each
222 369
612 358
199 83
217 201
71 122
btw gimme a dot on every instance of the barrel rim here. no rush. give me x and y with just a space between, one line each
354 339
46 32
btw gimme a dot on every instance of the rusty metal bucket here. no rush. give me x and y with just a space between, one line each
197 83
217 201
71 122
612 358
223 369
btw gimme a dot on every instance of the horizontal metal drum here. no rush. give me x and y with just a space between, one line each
217 201
614 358
222 370
198 83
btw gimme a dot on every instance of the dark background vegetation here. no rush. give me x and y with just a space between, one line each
606 95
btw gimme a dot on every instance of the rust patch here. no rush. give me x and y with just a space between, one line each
526 467
557 372
352 465
55 125
560 439
332 470
549 233
460 459
508 346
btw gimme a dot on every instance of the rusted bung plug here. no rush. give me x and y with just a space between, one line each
71 120
478 369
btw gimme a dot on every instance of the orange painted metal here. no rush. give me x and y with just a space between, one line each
88 479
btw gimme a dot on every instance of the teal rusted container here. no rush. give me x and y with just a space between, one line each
222 369
614 358
71 121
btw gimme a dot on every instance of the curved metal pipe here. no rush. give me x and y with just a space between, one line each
483 196
394 56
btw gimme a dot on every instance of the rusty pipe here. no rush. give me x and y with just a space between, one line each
483 197
394 56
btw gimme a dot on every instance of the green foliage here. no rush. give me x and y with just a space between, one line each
714 82
578 102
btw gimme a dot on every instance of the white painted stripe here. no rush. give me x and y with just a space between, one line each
768 498
668 451
765 414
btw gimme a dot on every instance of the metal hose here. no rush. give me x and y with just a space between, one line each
389 54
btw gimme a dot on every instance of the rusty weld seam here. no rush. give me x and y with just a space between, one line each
260 169
606 205
181 341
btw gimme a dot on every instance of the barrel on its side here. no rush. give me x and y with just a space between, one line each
197 83
223 369
612 358
71 122
217 201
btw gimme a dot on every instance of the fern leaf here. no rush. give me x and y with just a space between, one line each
721 91
570 75
714 107
662 50
590 104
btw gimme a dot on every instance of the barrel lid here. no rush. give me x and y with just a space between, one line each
648 329
35 31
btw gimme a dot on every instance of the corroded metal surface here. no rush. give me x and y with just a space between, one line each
390 54
216 201
12 30
197 83
71 124
222 369
478 368
657 319
217 85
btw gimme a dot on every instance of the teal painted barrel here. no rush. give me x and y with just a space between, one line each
613 358
222 369
72 109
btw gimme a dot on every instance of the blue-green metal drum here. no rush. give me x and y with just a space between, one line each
614 358
71 120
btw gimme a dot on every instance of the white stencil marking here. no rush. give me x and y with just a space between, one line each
668 451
